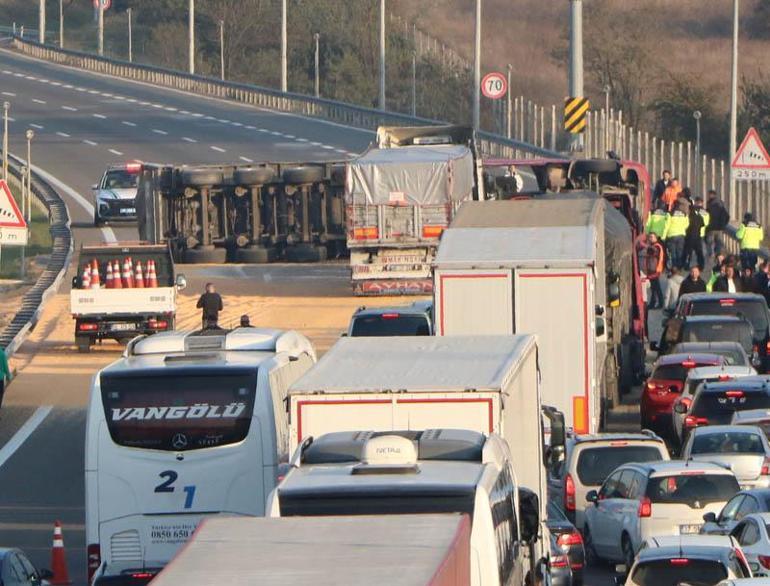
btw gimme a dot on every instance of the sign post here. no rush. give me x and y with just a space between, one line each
13 227
494 85
751 160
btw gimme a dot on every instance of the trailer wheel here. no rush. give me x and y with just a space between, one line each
596 166
202 177
205 256
303 174
253 175
83 343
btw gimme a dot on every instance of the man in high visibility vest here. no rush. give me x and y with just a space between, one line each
674 237
750 234
657 222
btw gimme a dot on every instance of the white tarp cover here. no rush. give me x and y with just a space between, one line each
411 175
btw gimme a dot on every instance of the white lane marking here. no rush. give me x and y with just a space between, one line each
106 95
223 120
9 94
263 130
317 143
197 115
57 83
246 159
236 124
100 116
341 151
114 152
156 131
69 108
209 118
18 75
90 142
170 109
30 77
327 147
43 80
218 149
127 123
276 133
185 112
94 92
26 430
63 134
7 71
37 126
120 98
131 100
300 139
250 127
68 86
39 101
188 139
79 89
144 103
158 106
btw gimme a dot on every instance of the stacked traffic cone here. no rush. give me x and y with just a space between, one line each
58 560
95 283
109 280
117 283
138 276
128 278
152 276
85 280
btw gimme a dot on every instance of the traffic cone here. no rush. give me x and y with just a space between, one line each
128 278
117 282
152 276
109 280
138 277
95 283
58 560
85 280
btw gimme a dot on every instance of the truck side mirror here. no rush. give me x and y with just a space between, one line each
529 514
600 327
592 496
181 282
74 282
710 518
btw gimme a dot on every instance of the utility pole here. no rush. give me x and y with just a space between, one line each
576 62
508 111
41 23
222 48
191 37
130 36
698 187
284 50
61 24
6 107
317 38
607 91
100 16
477 71
382 55
414 83
734 107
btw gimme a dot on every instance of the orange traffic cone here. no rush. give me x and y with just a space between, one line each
117 283
139 278
128 278
85 280
109 280
152 276
95 282
58 560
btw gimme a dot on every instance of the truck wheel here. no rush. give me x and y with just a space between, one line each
202 177
253 175
205 256
83 343
596 166
303 174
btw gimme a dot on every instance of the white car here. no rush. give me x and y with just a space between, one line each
743 449
115 194
746 582
702 560
640 501
696 377
752 534
758 417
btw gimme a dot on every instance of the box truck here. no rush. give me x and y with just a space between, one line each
559 268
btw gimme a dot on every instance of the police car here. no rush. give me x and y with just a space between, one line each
115 194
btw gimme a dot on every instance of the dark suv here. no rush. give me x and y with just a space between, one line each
709 328
751 306
409 320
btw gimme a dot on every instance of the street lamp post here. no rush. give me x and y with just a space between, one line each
509 106
130 36
317 38
100 26
734 106
41 23
381 101
698 186
222 48
191 37
576 62
26 200
607 90
6 107
61 24
414 83
284 49
477 70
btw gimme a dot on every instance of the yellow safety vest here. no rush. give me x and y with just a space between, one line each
678 224
750 235
706 219
657 223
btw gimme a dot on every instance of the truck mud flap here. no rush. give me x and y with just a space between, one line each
393 287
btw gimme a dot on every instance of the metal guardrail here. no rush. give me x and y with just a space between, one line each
48 282
262 97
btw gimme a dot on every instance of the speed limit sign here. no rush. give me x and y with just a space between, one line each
494 85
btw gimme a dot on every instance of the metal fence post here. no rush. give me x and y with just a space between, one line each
553 127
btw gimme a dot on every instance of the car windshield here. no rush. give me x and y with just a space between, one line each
594 465
691 488
676 571
754 310
676 371
729 442
390 325
120 179
718 406
375 504
719 331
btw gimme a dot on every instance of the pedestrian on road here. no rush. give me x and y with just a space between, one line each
729 282
693 241
719 217
693 283
674 237
750 234
748 280
655 262
673 283
657 222
5 373
660 187
210 304
671 194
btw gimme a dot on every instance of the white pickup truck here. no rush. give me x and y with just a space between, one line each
122 313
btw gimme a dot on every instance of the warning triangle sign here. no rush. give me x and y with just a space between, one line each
752 153
10 215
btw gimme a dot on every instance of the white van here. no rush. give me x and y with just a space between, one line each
183 426
418 472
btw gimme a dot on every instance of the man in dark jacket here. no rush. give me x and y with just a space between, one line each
693 283
210 304
719 217
660 187
693 242
730 282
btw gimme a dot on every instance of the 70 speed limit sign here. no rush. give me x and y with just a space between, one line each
494 85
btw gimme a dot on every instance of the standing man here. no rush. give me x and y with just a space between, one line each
693 283
654 263
657 222
660 187
729 282
210 304
750 234
719 217
674 236
693 239
671 194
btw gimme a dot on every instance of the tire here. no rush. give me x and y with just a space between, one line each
253 175
597 166
255 255
202 177
84 344
205 256
592 558
628 551
303 174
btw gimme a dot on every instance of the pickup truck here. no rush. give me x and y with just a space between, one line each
105 310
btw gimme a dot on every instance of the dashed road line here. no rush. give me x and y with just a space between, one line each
170 109
300 139
11 94
127 123
327 147
63 134
37 126
218 149
250 127
188 139
69 108
157 131
106 95
246 159
90 142
236 124
114 152
39 101
100 116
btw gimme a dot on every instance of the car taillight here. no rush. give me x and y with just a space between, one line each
767 347
158 324
692 421
724 377
764 560
569 539
569 493
734 394
559 561
766 467
85 327
645 507
94 559
142 575
133 167
688 364
390 316
679 561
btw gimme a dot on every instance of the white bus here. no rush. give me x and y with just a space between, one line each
185 425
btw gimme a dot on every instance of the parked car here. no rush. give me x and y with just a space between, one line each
640 501
708 328
568 539
665 384
406 320
752 535
696 560
17 570
751 306
744 449
755 500
758 417
732 351
589 459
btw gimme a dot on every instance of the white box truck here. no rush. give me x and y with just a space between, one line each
559 268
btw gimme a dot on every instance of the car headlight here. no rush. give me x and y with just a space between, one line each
111 195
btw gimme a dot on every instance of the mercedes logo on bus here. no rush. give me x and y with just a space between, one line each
179 441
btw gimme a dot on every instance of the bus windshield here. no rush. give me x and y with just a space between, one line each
178 413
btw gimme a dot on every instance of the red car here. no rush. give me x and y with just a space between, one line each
665 384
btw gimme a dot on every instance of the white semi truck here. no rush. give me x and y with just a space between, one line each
558 268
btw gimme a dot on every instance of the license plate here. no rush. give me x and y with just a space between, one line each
122 327
690 529
128 211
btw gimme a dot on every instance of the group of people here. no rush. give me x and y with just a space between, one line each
682 234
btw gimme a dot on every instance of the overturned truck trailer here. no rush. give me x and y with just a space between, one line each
247 214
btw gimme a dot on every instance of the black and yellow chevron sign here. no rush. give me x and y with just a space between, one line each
575 110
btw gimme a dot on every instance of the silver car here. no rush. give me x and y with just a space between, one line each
744 449
115 194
